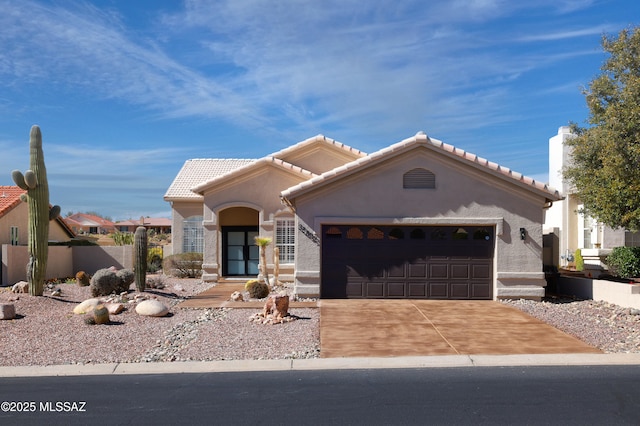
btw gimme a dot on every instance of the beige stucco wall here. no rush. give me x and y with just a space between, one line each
19 216
63 261
462 196
260 191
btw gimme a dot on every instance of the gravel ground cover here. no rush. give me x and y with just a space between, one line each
46 332
611 328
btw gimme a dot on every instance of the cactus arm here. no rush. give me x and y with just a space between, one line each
30 179
54 212
18 178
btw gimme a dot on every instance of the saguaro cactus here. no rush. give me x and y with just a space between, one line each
140 257
34 181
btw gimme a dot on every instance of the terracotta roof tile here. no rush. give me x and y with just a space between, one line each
9 198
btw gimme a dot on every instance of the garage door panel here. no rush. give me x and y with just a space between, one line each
375 290
460 290
377 263
439 271
397 289
460 271
355 289
418 290
438 290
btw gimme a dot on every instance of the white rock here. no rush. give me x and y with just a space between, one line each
86 306
114 308
20 287
152 308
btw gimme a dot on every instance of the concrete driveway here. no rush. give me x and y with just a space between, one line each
390 328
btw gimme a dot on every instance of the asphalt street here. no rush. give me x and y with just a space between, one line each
568 395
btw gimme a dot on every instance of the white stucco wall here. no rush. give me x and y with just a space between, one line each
463 195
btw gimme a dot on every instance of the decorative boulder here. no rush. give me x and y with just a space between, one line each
7 311
152 308
86 306
20 287
114 308
276 305
236 296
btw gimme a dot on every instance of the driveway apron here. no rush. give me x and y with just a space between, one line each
390 328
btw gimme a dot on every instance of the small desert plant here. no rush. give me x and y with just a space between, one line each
108 281
156 282
140 254
579 260
624 262
263 242
257 289
82 279
154 260
249 284
122 238
183 265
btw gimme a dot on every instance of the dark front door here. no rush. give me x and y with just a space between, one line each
240 255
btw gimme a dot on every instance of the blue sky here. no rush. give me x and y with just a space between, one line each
126 91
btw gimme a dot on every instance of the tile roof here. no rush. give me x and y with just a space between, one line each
318 138
421 139
254 165
199 170
9 198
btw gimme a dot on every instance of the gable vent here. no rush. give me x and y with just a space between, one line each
419 178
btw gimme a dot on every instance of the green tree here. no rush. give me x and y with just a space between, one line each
605 169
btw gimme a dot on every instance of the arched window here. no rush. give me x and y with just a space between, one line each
419 178
193 235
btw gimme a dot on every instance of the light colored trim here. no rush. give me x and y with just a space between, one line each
519 275
498 222
307 274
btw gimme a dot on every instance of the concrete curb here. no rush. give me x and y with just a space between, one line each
321 364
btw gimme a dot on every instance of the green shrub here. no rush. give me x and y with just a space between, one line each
579 260
257 289
183 265
154 260
624 262
122 238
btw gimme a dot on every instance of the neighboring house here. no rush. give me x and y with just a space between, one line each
160 225
569 228
83 223
14 220
419 219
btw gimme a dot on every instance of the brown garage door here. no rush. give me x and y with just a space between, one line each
415 262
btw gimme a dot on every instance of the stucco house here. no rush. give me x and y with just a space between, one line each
14 220
568 227
84 223
418 219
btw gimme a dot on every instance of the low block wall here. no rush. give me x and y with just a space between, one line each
64 261
622 294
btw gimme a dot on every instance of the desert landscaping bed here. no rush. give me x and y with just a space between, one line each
46 332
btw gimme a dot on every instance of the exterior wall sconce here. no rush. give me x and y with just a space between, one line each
523 234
